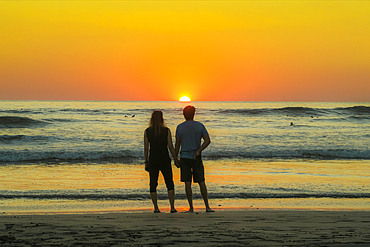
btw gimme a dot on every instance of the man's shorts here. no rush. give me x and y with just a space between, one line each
192 168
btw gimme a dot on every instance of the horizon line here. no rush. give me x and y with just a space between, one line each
251 101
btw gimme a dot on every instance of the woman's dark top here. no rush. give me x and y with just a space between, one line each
158 151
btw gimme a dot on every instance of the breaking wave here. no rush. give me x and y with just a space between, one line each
88 195
20 122
303 111
24 138
135 156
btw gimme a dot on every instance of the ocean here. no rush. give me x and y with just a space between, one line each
87 156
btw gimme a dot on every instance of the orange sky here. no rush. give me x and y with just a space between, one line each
208 50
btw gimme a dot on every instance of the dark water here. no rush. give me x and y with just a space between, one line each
107 131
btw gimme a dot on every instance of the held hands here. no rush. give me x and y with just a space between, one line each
177 163
147 168
196 154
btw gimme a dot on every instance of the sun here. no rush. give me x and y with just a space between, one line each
184 99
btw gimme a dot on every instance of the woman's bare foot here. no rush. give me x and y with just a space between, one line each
209 210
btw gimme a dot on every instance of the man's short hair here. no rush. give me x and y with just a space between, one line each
189 112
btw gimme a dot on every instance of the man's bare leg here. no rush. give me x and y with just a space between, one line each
189 195
171 198
203 191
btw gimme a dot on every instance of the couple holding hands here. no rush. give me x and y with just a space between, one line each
157 142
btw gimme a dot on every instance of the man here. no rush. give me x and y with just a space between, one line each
188 136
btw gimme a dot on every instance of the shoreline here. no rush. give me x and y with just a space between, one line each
55 207
74 188
221 228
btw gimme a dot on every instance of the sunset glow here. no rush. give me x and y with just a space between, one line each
211 50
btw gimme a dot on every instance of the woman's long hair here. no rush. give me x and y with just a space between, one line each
157 122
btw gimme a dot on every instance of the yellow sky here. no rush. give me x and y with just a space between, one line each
208 50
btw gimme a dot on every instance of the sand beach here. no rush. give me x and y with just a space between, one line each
221 228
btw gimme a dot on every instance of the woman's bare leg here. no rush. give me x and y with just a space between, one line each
153 195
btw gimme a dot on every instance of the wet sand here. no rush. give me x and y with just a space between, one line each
221 228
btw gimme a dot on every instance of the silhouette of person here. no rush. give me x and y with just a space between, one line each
157 141
188 137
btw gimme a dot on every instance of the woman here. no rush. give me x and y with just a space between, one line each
157 141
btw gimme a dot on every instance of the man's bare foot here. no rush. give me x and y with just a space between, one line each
191 210
157 211
209 210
